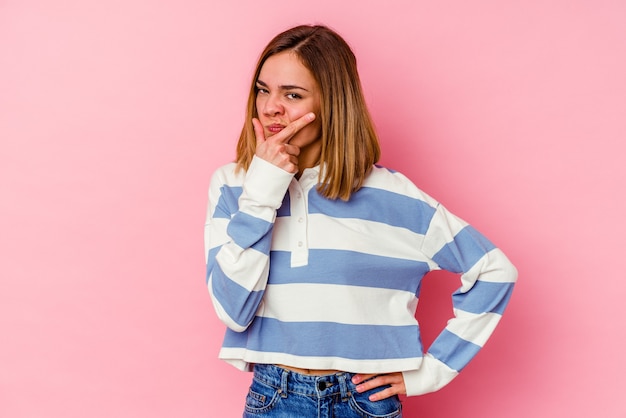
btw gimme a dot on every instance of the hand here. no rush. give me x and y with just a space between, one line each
395 380
277 149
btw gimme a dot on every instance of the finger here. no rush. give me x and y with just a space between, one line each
290 130
358 378
258 130
372 383
292 150
394 380
383 394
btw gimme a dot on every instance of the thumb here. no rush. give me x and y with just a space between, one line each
258 131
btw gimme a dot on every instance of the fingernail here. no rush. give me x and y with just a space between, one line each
310 116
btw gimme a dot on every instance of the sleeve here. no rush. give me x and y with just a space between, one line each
238 233
487 280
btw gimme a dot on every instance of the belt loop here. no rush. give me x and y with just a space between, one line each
283 384
343 387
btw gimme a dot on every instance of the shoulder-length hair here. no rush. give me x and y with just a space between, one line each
349 140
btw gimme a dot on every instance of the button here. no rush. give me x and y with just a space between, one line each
299 195
300 220
300 243
321 385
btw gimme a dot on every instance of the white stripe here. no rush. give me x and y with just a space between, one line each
231 178
249 268
396 182
490 268
443 221
475 328
304 302
242 359
352 235
215 233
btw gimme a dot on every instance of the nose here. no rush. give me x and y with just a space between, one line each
272 106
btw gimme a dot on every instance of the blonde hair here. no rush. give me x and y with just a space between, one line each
349 140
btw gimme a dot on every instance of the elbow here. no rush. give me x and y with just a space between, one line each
238 328
502 267
235 305
513 273
510 271
232 325
227 320
236 312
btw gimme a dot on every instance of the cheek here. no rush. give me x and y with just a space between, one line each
295 113
312 130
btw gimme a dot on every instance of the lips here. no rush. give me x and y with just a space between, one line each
275 128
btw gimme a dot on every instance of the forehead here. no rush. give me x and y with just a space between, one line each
285 68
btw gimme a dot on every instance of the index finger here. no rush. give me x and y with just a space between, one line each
361 377
290 130
258 130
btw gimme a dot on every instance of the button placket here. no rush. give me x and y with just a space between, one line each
298 225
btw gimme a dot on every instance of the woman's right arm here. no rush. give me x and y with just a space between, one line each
238 234
240 219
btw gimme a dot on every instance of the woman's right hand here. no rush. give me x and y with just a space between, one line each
276 149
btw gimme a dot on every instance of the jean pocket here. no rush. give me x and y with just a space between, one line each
261 397
386 408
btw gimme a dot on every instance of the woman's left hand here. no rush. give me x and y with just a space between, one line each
367 382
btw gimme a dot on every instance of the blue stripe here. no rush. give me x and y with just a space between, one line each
455 352
248 231
211 261
484 297
228 202
328 339
348 268
464 251
239 303
285 207
378 206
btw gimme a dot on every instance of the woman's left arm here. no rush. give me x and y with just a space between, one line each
487 280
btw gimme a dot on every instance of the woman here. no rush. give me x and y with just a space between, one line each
315 254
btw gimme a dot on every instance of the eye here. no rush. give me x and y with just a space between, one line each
261 90
293 96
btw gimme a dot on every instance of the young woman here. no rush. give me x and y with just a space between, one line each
315 255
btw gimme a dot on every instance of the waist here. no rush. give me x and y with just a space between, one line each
308 372
292 381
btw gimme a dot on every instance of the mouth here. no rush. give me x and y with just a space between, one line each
274 128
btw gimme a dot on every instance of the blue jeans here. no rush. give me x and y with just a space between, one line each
280 393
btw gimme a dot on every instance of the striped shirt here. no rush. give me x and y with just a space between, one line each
315 283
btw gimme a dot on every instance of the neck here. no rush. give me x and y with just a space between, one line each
309 157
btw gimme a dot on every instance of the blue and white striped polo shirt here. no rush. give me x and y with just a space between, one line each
314 283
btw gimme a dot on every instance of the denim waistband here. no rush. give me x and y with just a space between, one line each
287 381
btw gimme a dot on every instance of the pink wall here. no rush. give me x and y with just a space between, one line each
114 113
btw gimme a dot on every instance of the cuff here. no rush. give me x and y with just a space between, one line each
265 186
430 377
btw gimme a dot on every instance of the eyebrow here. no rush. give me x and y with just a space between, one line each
285 87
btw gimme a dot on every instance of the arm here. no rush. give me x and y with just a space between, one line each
238 235
238 230
487 280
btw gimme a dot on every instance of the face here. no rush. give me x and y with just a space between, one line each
286 91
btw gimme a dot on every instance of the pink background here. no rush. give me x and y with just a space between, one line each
113 114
